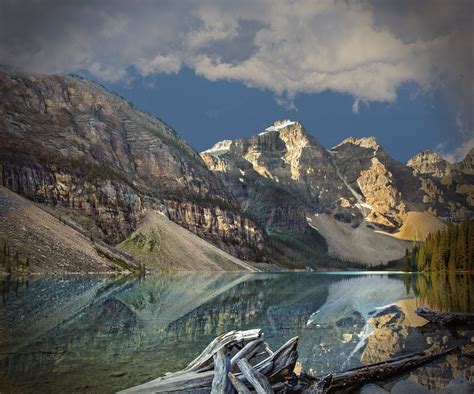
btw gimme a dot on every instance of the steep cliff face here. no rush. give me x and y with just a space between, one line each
382 196
70 143
388 188
34 241
448 187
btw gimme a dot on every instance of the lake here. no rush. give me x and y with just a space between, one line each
101 334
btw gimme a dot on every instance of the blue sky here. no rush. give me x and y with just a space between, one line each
216 69
204 112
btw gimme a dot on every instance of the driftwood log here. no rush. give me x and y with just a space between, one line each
344 381
216 370
446 318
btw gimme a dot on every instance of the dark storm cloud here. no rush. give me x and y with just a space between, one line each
453 68
366 48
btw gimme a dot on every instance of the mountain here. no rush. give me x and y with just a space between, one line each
280 176
122 177
354 195
94 158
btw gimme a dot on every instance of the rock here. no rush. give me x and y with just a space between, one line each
408 386
346 337
378 187
372 389
458 386
427 162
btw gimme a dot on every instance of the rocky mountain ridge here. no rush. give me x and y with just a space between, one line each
283 176
71 144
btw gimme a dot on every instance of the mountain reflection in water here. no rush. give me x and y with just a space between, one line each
86 333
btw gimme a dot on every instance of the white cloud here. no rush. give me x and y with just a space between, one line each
165 64
364 49
355 106
457 154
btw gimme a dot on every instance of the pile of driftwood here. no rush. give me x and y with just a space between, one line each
225 366
242 362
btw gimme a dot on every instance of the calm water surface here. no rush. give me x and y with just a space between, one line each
101 334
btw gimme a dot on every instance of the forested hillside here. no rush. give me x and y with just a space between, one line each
450 249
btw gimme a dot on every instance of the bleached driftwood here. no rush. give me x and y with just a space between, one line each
204 360
211 370
256 379
240 387
220 382
216 371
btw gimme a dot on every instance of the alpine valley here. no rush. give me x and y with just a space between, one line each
92 184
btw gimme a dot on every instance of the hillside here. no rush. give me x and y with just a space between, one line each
44 244
361 244
418 225
161 244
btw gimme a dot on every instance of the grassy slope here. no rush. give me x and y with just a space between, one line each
418 225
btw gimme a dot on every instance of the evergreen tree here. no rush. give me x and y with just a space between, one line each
434 264
443 249
461 247
452 249
421 257
406 261
449 249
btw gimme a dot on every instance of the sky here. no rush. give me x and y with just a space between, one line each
401 71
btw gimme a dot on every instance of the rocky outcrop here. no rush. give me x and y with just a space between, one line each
385 200
448 187
386 186
466 166
427 162
72 144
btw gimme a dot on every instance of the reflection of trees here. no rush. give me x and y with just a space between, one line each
450 291
11 284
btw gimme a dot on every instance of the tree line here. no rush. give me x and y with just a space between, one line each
450 249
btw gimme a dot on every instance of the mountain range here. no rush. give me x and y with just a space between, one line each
126 182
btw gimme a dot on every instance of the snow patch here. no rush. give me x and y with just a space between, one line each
278 126
220 148
242 171
241 180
